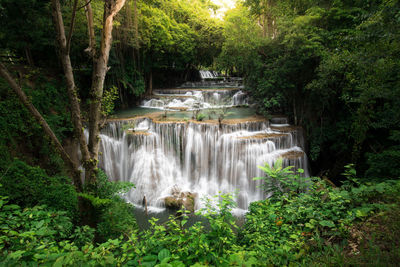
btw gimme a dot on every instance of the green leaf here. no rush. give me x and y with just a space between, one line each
164 253
149 261
177 264
309 225
326 223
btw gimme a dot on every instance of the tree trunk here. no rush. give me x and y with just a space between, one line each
69 76
111 8
89 152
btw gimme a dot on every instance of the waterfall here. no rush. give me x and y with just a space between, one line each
189 99
202 158
206 74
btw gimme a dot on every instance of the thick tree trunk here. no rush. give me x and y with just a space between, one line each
111 8
72 168
69 76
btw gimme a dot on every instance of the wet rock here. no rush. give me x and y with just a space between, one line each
179 199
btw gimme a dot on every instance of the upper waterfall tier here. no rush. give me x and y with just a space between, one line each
189 99
160 157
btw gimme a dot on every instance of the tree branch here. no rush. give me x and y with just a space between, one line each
88 2
91 50
71 27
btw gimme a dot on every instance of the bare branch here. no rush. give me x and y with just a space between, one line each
71 27
91 50
87 3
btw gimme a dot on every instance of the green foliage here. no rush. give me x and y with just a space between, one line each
116 219
200 116
26 232
114 216
21 135
30 186
289 228
107 102
83 236
279 181
293 230
329 65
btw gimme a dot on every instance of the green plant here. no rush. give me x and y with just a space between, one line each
29 186
107 102
200 116
114 216
83 235
279 180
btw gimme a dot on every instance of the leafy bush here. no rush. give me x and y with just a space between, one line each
114 216
25 232
298 225
279 181
28 186
290 225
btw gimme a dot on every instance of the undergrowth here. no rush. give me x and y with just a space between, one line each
305 222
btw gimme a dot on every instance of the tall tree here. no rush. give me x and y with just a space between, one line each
100 57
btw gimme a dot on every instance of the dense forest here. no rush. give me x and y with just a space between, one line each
331 67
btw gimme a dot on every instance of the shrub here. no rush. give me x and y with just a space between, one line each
114 216
28 186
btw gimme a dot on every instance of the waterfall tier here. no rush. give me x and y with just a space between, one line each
202 158
189 99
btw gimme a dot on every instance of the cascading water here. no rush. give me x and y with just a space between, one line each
193 99
204 158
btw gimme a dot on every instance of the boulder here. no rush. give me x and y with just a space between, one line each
178 199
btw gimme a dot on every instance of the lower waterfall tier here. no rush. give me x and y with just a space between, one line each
200 159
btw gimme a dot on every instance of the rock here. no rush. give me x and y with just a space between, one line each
179 199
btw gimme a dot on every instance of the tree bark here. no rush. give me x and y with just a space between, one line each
69 76
111 8
71 27
92 40
70 165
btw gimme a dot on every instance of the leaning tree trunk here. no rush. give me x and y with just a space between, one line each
72 168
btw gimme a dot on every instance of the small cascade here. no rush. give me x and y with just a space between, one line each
205 159
213 79
189 99
240 98
206 74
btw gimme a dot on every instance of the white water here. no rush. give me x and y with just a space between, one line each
201 158
205 159
196 99
206 74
